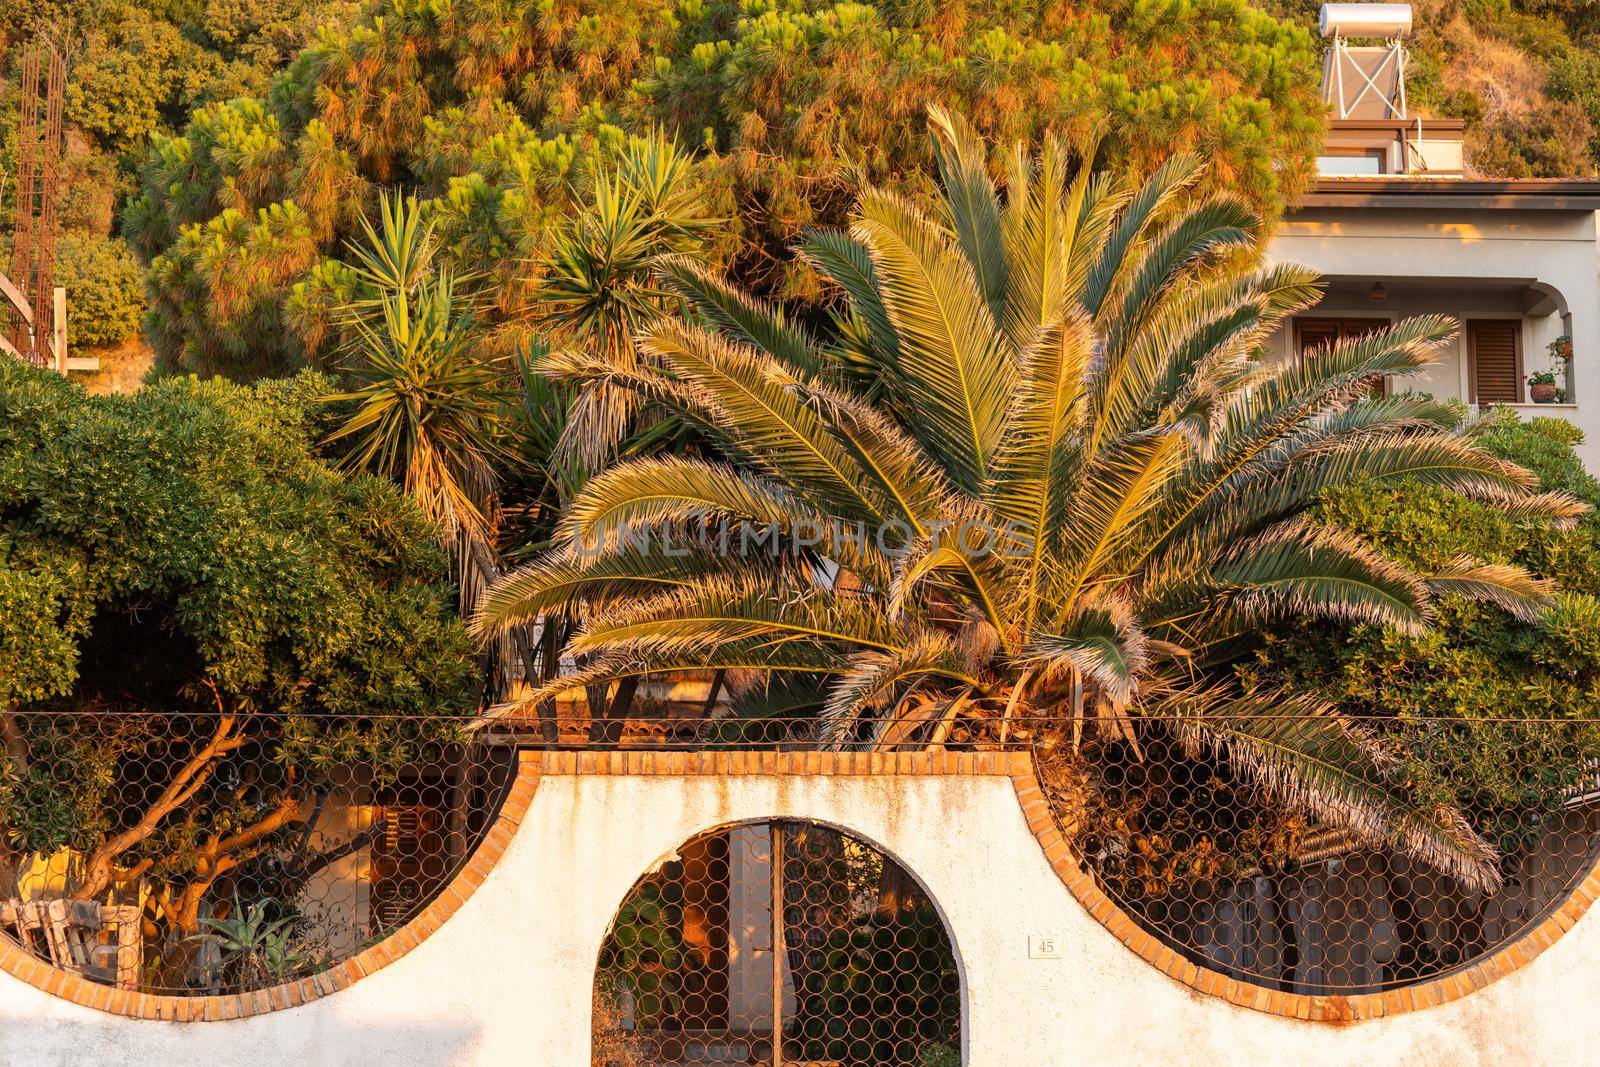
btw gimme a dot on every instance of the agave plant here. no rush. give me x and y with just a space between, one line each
1069 365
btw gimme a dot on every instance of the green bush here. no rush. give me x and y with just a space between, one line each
789 104
105 289
1443 697
181 563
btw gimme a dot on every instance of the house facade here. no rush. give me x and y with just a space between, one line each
1397 226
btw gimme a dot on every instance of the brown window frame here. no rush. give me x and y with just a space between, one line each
1468 326
1344 324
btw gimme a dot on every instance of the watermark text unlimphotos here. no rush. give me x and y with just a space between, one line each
893 538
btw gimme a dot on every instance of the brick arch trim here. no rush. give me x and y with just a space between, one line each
19 963
1431 993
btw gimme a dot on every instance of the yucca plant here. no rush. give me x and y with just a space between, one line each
598 287
1079 496
424 396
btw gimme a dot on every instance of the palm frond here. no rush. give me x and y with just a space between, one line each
1102 641
972 202
1511 589
730 609
1298 569
871 678
739 315
1314 761
953 367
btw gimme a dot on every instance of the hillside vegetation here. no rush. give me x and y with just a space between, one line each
789 106
1525 74
136 69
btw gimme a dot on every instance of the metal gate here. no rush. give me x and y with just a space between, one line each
781 943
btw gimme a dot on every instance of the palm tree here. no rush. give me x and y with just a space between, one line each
1079 495
424 398
425 401
597 288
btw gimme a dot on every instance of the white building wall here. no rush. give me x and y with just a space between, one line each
507 979
1467 259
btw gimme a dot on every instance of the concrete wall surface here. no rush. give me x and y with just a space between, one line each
507 979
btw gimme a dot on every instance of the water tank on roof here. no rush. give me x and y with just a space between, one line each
1365 20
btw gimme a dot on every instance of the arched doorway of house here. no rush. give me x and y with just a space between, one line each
780 921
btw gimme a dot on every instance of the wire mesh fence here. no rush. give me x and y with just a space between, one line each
779 932
204 854
1321 855
208 854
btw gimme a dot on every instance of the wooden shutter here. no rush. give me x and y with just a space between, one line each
1496 360
1315 334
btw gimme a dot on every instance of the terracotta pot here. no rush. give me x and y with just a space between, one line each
1542 394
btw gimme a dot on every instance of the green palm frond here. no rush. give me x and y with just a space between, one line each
952 365
1102 641
566 580
759 417
847 263
1318 572
1117 254
972 203
674 498
1053 220
739 315
730 608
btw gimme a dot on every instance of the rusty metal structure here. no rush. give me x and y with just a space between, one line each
779 943
37 330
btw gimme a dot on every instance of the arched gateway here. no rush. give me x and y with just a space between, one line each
786 928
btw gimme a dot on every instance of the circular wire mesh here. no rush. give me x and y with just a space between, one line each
1490 827
210 854
777 929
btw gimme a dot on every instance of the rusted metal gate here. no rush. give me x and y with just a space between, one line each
780 943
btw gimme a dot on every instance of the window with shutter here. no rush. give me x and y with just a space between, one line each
1495 355
411 855
1314 334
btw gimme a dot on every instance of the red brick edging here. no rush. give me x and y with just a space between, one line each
36 972
1017 766
1328 1009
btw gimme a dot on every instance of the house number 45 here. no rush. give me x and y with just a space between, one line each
1044 947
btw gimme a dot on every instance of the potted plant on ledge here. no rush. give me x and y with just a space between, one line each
1542 387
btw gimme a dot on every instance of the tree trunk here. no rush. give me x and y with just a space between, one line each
606 729
15 742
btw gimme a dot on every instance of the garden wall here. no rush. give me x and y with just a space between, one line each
507 978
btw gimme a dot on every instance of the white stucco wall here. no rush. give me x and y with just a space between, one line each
1458 250
507 979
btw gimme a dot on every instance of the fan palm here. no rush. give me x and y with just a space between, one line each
1081 494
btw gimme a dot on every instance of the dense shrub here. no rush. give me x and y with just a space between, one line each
482 108
1436 693
178 565
105 289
